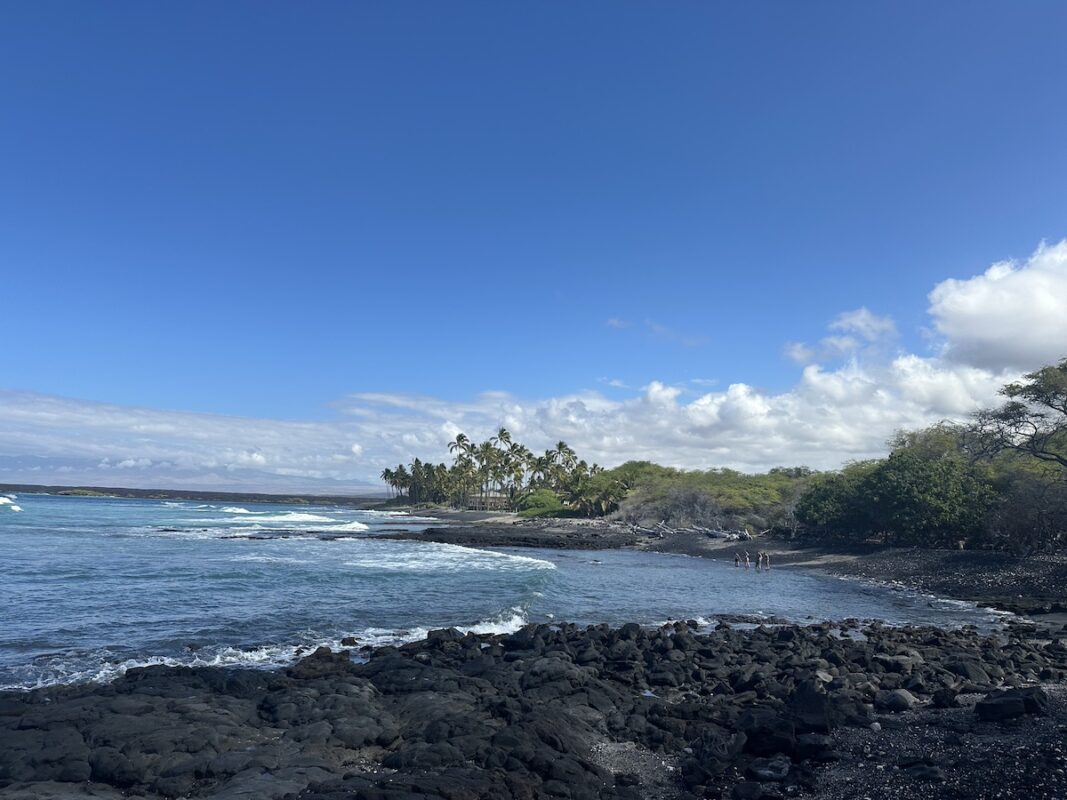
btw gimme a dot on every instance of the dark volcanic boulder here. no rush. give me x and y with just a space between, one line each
811 709
895 701
1009 703
767 732
971 671
945 698
321 663
714 751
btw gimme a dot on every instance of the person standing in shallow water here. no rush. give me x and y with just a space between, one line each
746 559
766 560
737 560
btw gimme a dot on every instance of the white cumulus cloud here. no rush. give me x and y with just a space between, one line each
1012 316
864 323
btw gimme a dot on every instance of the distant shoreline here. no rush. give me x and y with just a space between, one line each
289 498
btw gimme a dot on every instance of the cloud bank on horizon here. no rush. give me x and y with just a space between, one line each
855 389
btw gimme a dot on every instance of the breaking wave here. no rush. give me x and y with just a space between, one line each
104 666
438 558
349 526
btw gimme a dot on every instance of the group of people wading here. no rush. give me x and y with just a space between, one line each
763 560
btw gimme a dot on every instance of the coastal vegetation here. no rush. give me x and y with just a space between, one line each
999 481
501 473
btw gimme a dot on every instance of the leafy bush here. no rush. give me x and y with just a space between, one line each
715 498
919 495
540 503
675 505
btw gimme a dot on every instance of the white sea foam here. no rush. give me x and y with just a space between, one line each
403 515
533 563
104 670
9 501
265 559
292 518
102 667
289 517
508 622
432 557
349 526
236 510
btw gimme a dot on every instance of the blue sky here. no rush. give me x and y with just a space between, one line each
262 209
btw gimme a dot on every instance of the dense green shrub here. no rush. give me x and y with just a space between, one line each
716 498
540 502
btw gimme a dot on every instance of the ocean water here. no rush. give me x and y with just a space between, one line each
92 586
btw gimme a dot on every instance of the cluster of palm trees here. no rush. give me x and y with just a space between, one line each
500 473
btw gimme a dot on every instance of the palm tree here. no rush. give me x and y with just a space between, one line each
502 466
462 444
389 477
403 479
487 458
566 455
502 438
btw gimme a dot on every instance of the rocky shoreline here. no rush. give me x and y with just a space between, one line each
558 711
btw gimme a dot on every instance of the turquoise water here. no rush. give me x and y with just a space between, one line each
92 586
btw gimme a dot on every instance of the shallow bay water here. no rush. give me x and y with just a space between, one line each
92 586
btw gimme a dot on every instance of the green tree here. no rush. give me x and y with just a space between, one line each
1033 421
833 506
915 499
